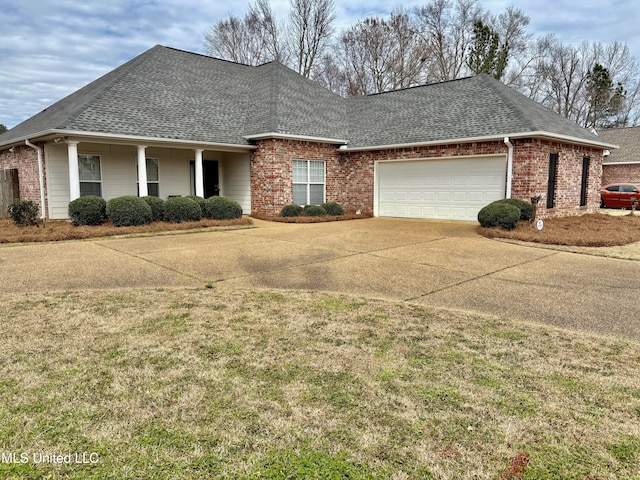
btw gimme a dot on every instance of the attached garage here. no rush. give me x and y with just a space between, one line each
451 188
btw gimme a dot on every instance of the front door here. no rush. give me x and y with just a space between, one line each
211 177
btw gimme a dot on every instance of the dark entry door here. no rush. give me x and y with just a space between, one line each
211 178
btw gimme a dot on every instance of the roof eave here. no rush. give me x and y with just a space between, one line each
489 138
622 162
98 137
288 136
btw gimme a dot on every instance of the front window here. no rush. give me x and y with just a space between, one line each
90 175
153 178
308 182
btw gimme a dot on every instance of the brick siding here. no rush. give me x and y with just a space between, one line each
350 175
531 174
624 173
25 159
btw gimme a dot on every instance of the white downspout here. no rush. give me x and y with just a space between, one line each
509 166
40 177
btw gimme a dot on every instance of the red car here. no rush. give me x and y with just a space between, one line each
619 195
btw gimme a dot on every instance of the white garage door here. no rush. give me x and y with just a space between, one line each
453 189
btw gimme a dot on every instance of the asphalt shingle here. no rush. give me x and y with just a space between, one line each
628 139
166 93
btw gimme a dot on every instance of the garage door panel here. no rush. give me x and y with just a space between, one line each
446 189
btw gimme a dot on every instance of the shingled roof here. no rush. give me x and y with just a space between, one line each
174 95
628 139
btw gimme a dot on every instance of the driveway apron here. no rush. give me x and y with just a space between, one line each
435 263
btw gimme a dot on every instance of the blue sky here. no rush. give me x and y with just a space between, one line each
50 48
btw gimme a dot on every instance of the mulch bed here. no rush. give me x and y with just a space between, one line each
303 219
58 230
591 230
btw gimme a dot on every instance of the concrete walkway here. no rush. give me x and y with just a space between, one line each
435 263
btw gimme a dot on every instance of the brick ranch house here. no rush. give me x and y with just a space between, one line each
266 137
622 165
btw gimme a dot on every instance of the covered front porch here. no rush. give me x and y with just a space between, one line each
76 167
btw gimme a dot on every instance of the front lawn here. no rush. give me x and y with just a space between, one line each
214 383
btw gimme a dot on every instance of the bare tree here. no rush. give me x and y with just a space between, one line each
330 74
562 81
381 55
446 29
251 40
271 31
311 29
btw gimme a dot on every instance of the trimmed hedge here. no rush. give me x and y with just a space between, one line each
526 209
88 210
129 211
314 211
157 207
499 214
221 208
24 212
182 209
333 208
201 201
291 210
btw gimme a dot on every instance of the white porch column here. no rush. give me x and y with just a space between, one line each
199 174
74 172
143 191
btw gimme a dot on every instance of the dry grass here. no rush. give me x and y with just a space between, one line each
58 230
593 230
210 383
596 230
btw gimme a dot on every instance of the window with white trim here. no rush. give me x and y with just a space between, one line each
153 177
90 173
308 182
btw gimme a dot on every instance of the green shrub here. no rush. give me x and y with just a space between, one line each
128 211
333 208
499 214
23 212
88 210
526 209
221 208
314 211
157 208
182 209
291 210
199 200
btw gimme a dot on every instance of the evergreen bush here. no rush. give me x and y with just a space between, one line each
291 210
499 214
23 212
182 209
221 208
128 211
526 209
333 208
88 210
199 200
157 208
314 211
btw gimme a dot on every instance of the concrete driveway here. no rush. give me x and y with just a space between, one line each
434 263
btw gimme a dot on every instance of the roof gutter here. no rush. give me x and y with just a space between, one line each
43 214
300 138
489 138
509 166
98 137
